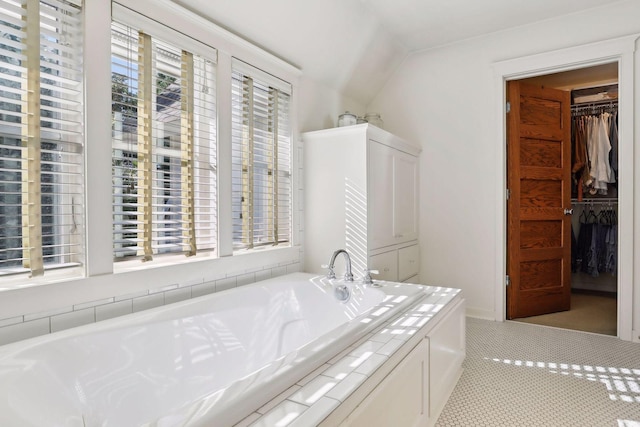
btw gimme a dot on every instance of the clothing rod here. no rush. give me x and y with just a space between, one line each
603 103
598 201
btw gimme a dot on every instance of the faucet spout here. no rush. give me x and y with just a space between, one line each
348 276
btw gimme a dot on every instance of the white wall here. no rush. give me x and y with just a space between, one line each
445 99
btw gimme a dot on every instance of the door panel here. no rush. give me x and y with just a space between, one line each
538 175
405 196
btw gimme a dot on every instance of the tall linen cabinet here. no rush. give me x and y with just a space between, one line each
361 194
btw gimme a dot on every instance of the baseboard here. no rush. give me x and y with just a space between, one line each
480 313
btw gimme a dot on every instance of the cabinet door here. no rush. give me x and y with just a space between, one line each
380 210
387 265
405 197
402 397
447 350
408 262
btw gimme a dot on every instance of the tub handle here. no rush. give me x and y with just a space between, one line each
366 279
330 274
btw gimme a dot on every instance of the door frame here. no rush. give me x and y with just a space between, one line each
620 50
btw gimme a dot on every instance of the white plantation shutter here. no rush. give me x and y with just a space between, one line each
261 156
164 146
41 136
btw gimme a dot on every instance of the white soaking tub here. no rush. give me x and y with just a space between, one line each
208 361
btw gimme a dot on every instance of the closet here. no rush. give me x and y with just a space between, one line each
593 210
594 190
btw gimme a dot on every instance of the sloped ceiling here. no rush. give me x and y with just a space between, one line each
355 45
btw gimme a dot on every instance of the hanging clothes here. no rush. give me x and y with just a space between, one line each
596 246
594 155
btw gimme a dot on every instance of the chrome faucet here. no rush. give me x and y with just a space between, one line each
348 277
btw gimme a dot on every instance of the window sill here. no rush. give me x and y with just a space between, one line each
58 275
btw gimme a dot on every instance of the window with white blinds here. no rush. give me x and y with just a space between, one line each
261 156
163 146
41 136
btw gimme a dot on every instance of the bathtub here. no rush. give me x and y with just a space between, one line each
206 361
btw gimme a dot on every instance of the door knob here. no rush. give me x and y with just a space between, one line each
568 211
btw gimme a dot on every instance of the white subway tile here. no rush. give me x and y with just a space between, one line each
224 284
389 348
73 319
191 282
93 303
278 399
116 309
176 295
203 289
342 368
366 348
131 295
147 302
212 277
370 365
163 289
281 415
278 271
248 421
11 321
47 314
316 413
294 268
310 393
263 274
346 386
245 279
24 330
313 374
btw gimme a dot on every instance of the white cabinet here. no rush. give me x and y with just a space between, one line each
447 351
361 193
408 262
386 264
415 391
394 196
410 380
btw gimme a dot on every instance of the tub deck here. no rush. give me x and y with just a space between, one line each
328 395
162 367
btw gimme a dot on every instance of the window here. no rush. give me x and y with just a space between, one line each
163 146
41 136
261 155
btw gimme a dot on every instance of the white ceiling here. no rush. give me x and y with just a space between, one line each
355 45
423 24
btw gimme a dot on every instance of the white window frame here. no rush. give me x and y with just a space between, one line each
228 46
43 43
154 239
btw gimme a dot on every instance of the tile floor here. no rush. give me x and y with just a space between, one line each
528 375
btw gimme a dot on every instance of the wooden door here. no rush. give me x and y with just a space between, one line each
538 176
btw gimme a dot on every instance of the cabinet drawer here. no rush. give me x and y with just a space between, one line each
387 265
408 262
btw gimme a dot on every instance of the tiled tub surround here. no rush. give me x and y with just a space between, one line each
357 387
158 366
31 325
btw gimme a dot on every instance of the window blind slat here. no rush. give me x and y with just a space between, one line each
260 153
42 180
182 153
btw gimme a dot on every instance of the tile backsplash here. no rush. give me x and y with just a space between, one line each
35 324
